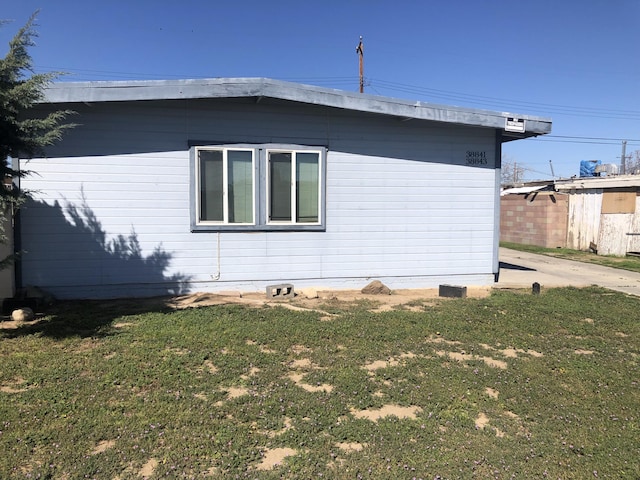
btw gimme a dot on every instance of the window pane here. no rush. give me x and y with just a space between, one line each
307 187
211 185
240 177
280 186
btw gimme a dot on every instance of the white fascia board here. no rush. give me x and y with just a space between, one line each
518 190
112 91
585 183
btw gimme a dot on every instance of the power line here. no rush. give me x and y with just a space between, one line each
588 140
594 138
484 100
375 84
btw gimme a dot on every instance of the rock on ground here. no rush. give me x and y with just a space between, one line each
376 288
22 315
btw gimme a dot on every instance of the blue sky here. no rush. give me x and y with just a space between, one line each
575 61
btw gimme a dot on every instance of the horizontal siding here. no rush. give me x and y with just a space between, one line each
401 206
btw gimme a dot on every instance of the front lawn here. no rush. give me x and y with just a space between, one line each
509 386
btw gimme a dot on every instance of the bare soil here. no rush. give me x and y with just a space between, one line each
306 299
311 298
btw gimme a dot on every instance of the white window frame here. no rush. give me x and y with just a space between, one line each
260 180
293 186
225 186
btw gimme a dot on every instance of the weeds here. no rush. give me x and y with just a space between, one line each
508 386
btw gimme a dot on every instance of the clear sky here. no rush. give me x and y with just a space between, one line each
575 61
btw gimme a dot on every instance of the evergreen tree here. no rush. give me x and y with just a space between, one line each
22 134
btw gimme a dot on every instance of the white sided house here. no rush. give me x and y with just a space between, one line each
170 187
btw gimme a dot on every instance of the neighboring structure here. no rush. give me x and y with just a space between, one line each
596 213
168 187
534 215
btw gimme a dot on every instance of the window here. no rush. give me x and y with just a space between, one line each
257 187
226 186
294 201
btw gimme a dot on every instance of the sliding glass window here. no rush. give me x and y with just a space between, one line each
261 187
294 187
226 186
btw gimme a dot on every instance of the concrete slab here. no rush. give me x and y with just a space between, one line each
522 269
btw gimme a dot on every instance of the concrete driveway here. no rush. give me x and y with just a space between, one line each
521 270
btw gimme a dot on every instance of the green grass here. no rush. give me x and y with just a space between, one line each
631 263
101 390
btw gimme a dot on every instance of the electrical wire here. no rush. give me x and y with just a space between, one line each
507 103
379 84
589 140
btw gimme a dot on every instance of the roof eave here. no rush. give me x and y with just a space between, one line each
90 92
587 183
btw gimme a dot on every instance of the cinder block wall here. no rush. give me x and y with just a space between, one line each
534 219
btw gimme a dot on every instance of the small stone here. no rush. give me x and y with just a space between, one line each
376 288
22 315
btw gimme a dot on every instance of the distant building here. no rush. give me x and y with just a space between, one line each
591 213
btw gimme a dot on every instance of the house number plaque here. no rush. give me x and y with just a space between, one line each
476 158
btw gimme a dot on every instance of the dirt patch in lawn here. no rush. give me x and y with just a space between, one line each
491 392
350 446
236 392
481 421
403 299
275 457
7 324
148 468
391 362
17 386
103 446
414 298
297 379
376 414
467 357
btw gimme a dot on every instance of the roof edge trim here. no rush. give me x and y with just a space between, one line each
112 91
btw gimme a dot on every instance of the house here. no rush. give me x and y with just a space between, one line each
168 187
591 213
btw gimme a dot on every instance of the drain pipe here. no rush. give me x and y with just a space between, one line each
217 275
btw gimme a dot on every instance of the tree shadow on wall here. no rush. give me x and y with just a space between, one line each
67 248
121 260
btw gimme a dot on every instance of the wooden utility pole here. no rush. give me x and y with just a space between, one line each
360 52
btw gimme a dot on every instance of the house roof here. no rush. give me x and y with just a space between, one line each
513 126
527 189
575 184
586 183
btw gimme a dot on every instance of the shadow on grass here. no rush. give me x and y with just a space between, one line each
84 318
67 250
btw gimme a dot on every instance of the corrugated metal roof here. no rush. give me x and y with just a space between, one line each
513 126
